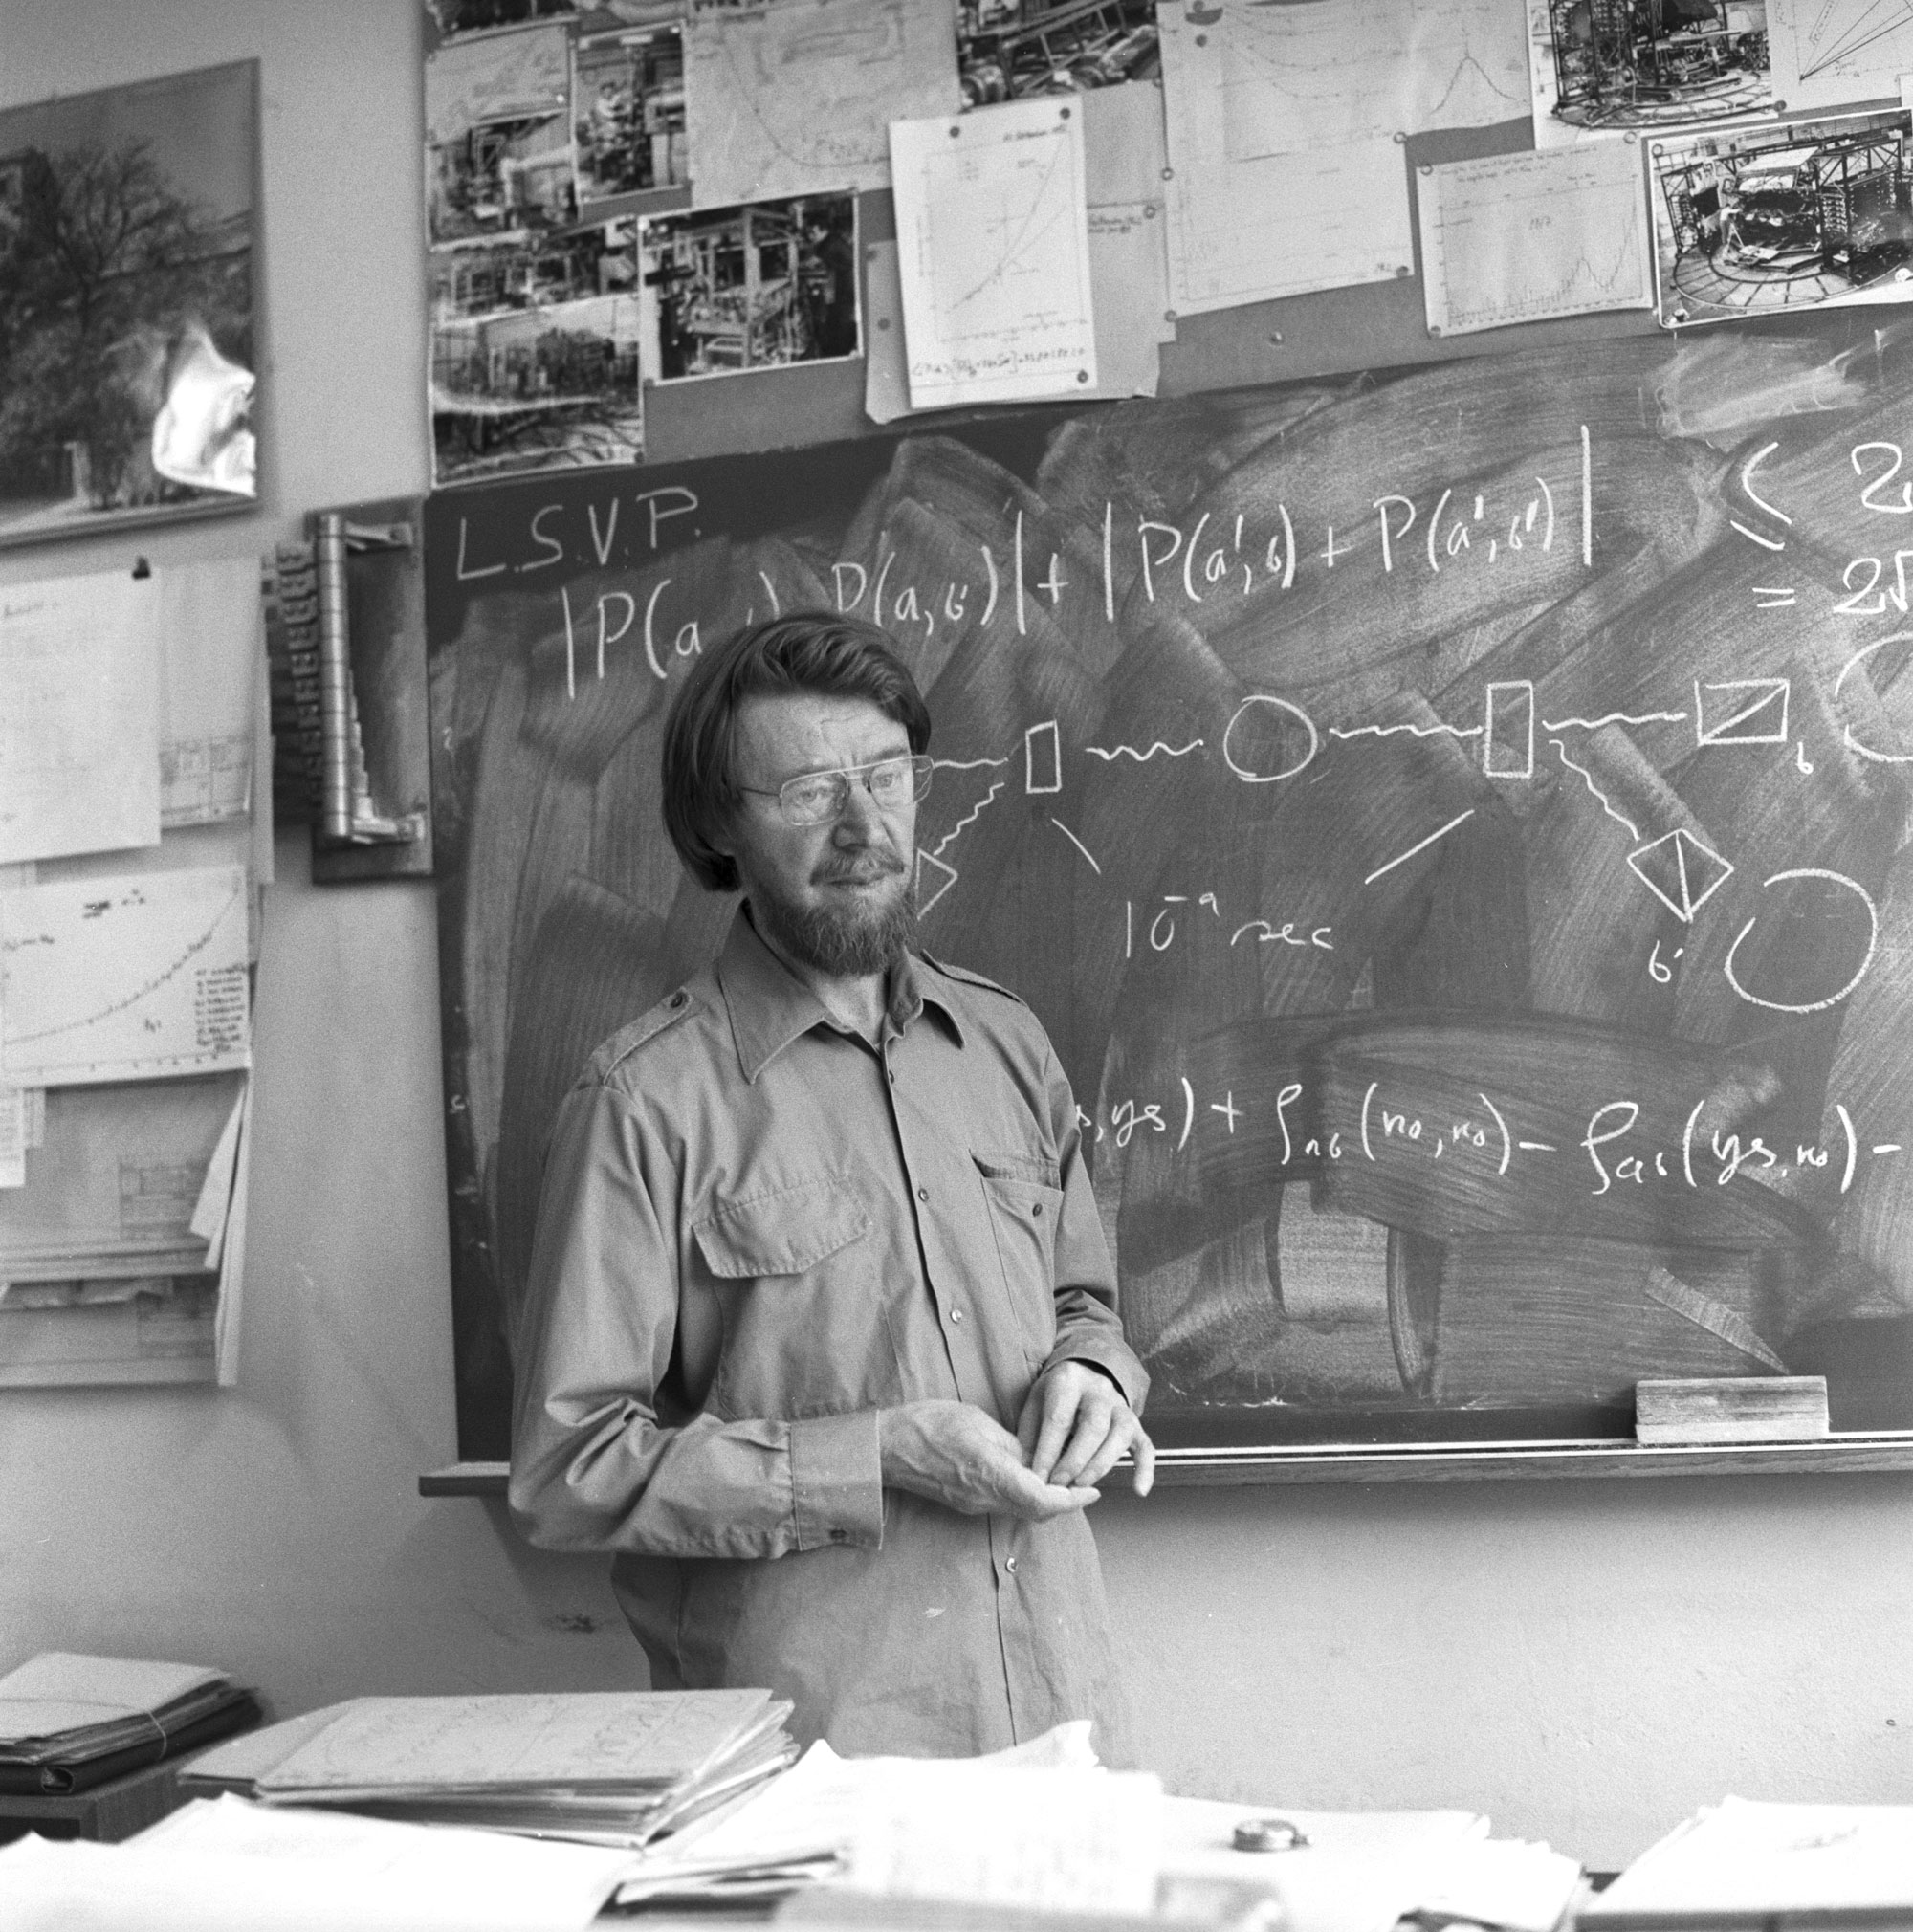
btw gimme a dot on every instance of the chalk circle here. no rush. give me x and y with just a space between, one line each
1853 664
1295 711
1833 999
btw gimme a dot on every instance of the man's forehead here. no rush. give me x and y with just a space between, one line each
817 726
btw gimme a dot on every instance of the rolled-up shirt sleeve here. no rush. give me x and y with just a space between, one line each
1087 1327
592 1465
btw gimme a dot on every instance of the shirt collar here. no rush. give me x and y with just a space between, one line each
769 1006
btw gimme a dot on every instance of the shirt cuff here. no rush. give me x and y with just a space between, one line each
837 1481
1114 1358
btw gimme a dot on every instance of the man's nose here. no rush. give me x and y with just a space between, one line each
860 818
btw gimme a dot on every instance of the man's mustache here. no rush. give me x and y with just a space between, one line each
858 871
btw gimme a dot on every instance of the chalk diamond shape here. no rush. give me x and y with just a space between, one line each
1681 872
947 877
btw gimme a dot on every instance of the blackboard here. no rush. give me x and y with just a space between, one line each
1449 821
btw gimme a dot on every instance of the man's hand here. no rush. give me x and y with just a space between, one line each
1074 1426
959 1456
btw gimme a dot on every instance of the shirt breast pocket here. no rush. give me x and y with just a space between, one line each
1024 1195
803 1327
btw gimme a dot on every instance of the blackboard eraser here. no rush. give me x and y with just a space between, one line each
1731 1409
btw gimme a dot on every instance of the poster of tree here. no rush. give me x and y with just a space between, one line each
126 327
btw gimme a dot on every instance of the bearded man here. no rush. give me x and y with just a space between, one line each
820 1338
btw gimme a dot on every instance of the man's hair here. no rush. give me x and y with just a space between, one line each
809 650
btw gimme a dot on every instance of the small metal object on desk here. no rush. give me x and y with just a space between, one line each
1269 1835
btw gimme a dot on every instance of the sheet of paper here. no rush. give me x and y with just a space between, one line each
1742 1856
1835 52
79 734
216 1191
129 979
886 364
1248 231
161 1335
227 1866
1075 1840
994 253
16 1130
210 650
795 97
1298 78
231 1258
1504 1882
1520 237
113 1187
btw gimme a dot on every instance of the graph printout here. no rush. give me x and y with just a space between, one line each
1299 77
80 715
1520 237
127 979
1248 231
1835 52
994 253
793 98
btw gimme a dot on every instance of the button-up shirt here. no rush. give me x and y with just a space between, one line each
758 1228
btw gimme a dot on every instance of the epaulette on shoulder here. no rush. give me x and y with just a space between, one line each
967 978
627 1039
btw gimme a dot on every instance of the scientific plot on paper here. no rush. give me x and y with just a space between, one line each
1247 231
1831 52
1521 237
130 979
795 99
994 253
1298 78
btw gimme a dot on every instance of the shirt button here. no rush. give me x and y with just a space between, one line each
956 1314
1037 1209
678 998
923 1194
839 1535
1009 1564
892 1079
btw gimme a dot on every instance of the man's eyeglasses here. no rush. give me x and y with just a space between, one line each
819 798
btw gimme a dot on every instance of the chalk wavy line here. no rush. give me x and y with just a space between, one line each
1418 731
1143 758
988 797
1593 724
1588 777
966 765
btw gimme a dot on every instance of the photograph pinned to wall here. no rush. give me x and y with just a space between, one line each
454 19
1007 49
497 134
762 286
1606 66
795 97
1795 215
126 327
627 120
535 353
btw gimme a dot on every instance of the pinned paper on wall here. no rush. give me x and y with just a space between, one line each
130 979
1294 78
795 99
1834 53
16 1113
1219 259
210 653
1521 237
80 737
994 253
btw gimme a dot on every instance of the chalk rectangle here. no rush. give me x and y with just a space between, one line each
1745 710
1508 748
1042 758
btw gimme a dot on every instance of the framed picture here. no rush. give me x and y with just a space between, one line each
127 349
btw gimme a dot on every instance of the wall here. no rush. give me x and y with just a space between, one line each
1584 1661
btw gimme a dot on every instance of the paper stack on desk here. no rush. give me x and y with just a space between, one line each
69 1723
1739 1863
611 1768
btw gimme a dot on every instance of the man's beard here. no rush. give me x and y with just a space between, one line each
845 942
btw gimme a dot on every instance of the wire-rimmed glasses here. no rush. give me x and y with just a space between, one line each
819 798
